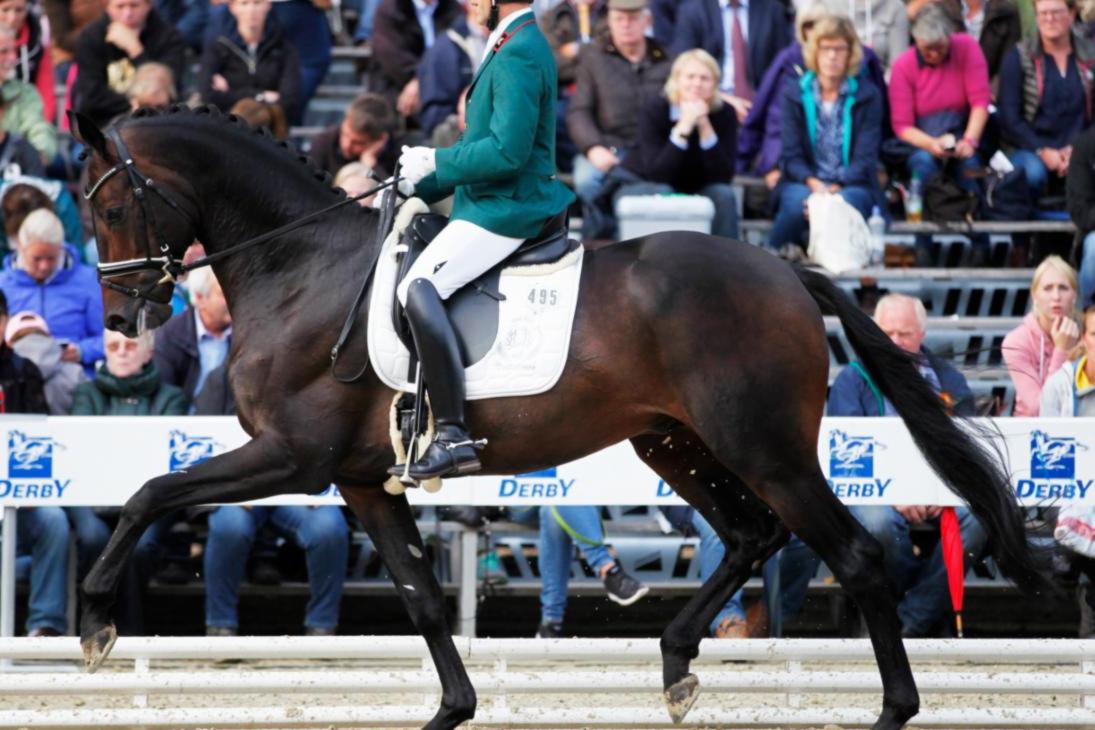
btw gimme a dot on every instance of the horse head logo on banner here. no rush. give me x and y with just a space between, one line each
851 456
1053 457
30 457
186 451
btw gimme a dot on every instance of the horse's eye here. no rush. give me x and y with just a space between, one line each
114 215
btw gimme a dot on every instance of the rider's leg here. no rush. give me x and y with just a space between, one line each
461 252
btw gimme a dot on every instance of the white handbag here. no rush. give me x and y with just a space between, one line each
839 238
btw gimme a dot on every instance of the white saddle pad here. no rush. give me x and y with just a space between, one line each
534 324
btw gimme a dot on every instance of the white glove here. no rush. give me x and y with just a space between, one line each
405 188
417 162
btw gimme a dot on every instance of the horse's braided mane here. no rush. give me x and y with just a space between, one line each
208 111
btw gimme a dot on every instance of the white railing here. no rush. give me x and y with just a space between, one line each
600 683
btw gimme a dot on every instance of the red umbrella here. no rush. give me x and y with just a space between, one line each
950 538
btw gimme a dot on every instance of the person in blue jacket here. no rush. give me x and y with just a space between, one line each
447 69
45 276
832 131
920 581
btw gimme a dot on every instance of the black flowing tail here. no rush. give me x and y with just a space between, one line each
970 469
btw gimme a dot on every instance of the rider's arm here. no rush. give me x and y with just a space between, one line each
518 89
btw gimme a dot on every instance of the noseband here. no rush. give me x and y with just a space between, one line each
140 184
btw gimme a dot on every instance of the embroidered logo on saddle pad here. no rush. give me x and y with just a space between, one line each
535 317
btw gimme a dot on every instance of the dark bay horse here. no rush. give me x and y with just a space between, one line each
708 354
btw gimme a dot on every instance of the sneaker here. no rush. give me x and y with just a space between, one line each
550 630
318 631
490 569
43 632
220 631
622 588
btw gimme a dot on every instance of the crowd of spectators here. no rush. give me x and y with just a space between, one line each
876 101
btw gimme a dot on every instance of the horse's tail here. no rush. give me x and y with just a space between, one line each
970 469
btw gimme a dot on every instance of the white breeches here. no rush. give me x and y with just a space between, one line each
460 254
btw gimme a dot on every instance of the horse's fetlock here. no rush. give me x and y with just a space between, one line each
674 648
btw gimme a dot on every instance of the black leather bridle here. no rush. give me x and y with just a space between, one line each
166 263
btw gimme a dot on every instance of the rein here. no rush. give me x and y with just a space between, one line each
172 268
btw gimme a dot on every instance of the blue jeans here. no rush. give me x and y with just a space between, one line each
306 28
1034 168
92 535
321 532
790 225
364 30
41 547
922 583
557 552
721 195
587 179
1087 270
712 552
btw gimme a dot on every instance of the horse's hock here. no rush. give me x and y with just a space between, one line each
608 683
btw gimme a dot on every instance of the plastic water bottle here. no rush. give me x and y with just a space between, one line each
877 224
914 207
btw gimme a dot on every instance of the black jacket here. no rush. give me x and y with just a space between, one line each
657 159
275 66
21 384
398 42
95 57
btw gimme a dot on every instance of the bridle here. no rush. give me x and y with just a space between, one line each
172 268
166 263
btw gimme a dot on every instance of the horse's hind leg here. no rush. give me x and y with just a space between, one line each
791 482
260 468
747 527
390 524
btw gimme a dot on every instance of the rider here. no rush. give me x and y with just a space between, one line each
502 172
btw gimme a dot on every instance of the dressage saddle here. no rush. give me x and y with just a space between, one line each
473 310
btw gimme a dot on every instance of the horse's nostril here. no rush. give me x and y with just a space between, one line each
116 322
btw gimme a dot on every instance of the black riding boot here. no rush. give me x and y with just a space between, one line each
453 451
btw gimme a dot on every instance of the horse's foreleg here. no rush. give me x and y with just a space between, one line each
260 468
390 524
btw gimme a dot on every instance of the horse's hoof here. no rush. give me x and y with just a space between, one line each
680 697
97 647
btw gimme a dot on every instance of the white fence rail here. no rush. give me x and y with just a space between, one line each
558 683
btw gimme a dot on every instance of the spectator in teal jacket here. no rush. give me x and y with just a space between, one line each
127 384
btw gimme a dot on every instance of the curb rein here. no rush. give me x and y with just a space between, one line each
172 268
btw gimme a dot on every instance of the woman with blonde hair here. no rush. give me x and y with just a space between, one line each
832 131
1044 341
760 144
687 139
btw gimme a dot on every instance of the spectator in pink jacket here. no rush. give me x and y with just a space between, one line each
939 98
1039 346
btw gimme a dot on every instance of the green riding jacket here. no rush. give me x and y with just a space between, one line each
502 170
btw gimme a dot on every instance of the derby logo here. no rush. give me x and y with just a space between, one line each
851 456
1053 457
187 451
30 457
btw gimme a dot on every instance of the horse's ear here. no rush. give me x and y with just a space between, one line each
87 132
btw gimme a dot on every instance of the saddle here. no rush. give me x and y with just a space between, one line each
473 309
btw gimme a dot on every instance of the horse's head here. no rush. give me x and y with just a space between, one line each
142 227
